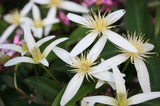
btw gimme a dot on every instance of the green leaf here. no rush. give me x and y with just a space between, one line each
76 35
8 79
137 17
46 86
157 23
85 88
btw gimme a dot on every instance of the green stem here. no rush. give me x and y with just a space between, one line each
126 65
50 74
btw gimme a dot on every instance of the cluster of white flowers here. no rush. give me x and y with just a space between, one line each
133 47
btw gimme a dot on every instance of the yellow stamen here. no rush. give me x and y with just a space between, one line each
54 3
82 65
3 58
139 43
121 99
98 23
38 23
15 16
36 54
24 46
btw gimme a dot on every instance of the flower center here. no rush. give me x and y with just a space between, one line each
82 65
121 99
38 23
139 43
15 16
98 23
54 3
36 54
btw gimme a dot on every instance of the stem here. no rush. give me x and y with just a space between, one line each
126 65
35 69
50 74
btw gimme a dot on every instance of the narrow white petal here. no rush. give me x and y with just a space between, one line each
97 48
143 75
28 37
63 55
71 6
14 47
42 2
44 62
149 47
41 41
7 17
99 83
26 8
112 84
115 16
7 32
17 60
37 32
120 41
143 97
36 12
119 81
52 13
72 88
77 19
105 76
50 21
52 45
106 65
83 44
47 29
100 99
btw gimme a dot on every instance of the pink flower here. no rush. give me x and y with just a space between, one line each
63 18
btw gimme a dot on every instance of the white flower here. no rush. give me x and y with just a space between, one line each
37 23
121 95
37 56
63 4
100 24
15 19
83 66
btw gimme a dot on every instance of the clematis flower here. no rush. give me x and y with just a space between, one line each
100 24
33 48
37 23
82 66
121 94
62 4
15 18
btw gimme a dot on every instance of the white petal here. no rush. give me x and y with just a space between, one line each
119 81
83 44
17 60
44 62
38 32
120 41
52 12
139 98
41 41
26 9
63 55
99 83
115 16
7 32
42 2
52 45
14 47
7 17
71 6
112 84
28 37
97 48
143 75
149 47
36 13
83 103
72 88
50 21
77 19
105 76
47 29
101 99
106 65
